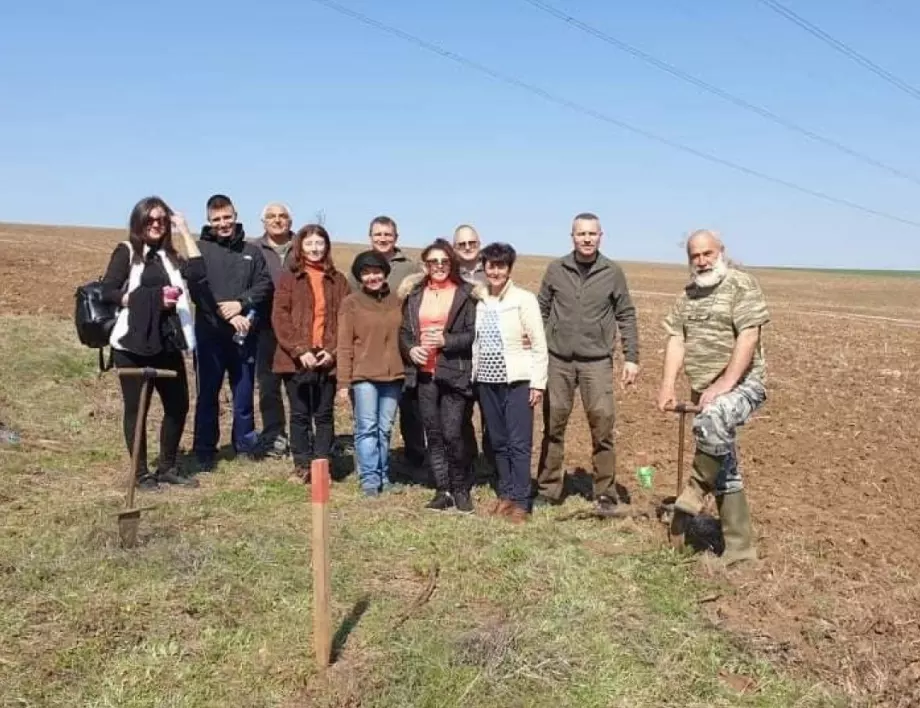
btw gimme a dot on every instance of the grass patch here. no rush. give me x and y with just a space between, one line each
214 606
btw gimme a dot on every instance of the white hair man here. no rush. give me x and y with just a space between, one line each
274 244
714 334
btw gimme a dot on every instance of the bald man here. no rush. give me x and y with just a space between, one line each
467 245
714 334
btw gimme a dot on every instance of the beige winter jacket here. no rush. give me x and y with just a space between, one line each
519 317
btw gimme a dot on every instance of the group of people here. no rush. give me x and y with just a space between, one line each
427 341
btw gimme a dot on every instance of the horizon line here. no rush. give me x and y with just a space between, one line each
830 269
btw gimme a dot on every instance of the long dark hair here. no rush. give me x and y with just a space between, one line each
137 226
298 260
441 244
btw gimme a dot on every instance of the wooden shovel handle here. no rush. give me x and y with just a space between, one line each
148 373
683 409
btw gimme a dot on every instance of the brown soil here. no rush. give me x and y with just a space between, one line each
829 462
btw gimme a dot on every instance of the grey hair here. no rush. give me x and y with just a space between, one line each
714 235
287 209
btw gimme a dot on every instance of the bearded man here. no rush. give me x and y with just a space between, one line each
714 334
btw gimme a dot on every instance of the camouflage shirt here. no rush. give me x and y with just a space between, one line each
709 320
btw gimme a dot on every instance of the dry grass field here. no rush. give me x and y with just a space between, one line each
213 608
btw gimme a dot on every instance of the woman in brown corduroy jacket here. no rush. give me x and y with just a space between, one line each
305 315
371 368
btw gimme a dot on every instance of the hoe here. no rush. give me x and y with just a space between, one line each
703 532
129 517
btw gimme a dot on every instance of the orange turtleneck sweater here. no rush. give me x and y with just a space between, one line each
316 272
435 307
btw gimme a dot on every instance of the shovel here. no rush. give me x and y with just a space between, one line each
682 409
129 517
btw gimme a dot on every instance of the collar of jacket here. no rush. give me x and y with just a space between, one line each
235 242
266 241
501 295
329 272
398 256
600 262
378 295
413 285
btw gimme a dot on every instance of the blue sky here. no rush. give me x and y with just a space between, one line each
106 102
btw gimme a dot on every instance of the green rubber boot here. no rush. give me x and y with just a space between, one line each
693 496
736 528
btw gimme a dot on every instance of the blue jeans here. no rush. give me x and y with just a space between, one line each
375 406
218 355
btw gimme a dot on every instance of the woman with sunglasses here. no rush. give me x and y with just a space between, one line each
305 313
151 281
436 341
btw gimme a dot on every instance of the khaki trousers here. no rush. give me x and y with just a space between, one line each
594 380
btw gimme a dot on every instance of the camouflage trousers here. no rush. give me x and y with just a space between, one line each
715 430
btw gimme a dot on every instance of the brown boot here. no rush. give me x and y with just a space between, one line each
517 515
693 496
736 528
501 507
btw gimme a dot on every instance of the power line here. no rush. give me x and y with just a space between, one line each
715 90
566 103
841 47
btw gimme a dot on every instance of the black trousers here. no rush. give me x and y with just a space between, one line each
312 416
173 396
411 428
271 403
443 412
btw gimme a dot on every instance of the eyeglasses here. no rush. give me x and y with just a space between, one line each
156 221
277 217
438 262
467 244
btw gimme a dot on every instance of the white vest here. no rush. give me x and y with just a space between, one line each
183 308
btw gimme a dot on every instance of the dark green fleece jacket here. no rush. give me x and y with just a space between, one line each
583 313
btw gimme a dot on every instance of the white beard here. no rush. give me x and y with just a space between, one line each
710 278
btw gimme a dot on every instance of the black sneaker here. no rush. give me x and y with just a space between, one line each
274 448
542 501
206 464
441 502
607 506
172 476
463 502
147 482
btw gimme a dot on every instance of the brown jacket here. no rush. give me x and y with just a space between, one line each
369 339
292 317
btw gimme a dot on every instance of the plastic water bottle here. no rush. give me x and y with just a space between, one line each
644 472
239 338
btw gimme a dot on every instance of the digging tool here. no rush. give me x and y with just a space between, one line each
129 517
666 509
682 409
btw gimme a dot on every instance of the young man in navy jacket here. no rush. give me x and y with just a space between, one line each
242 286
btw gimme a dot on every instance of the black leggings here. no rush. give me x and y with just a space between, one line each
312 404
173 396
443 412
